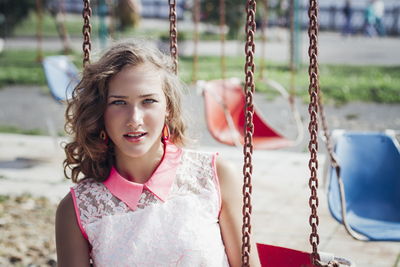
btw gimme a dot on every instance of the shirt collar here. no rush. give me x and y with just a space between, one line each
159 184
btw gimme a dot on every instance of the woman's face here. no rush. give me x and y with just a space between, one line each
136 111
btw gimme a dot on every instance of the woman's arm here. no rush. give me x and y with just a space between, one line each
72 247
231 214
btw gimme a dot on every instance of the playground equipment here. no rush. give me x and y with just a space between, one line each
364 187
284 257
225 116
62 76
223 99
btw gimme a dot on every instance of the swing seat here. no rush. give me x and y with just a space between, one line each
62 76
370 170
224 101
273 256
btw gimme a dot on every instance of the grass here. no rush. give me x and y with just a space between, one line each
339 83
22 67
16 130
74 23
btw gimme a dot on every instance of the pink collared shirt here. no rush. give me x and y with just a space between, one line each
171 220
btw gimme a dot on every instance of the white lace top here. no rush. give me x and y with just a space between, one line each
171 220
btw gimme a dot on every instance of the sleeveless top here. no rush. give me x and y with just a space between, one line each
171 220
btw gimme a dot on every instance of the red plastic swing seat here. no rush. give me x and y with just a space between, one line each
273 256
224 99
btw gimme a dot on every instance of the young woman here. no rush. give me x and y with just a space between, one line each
141 198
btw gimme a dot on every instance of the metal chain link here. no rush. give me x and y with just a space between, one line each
328 141
332 263
249 89
86 30
313 127
173 34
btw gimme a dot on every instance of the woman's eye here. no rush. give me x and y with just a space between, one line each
149 101
118 102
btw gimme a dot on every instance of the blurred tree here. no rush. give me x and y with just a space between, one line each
128 13
13 12
234 14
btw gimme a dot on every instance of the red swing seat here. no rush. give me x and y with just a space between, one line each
273 256
224 100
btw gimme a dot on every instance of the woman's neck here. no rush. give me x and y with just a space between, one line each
139 170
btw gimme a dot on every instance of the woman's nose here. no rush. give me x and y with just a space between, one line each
136 117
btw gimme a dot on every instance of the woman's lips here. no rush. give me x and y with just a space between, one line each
135 137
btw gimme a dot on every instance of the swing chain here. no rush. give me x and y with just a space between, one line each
313 128
328 141
332 263
173 34
249 89
86 30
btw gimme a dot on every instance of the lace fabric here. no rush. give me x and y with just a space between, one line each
182 231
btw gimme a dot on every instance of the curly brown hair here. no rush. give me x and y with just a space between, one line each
87 154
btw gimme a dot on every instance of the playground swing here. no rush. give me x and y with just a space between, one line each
223 103
272 255
61 74
364 184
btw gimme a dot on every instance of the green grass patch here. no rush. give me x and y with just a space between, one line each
16 130
22 67
4 198
73 25
339 83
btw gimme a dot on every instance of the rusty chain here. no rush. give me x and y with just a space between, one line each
86 30
249 88
313 127
173 34
328 142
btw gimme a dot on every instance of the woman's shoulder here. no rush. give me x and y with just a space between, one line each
193 152
229 177
226 169
65 210
86 183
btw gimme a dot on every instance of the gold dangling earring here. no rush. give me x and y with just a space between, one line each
103 136
165 133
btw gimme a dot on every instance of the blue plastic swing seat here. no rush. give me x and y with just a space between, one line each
62 76
370 170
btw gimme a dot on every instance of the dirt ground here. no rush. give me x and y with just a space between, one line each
27 231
